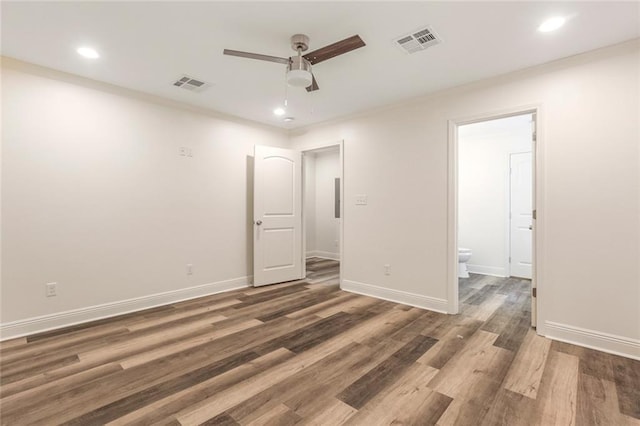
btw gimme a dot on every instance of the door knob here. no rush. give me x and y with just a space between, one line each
258 222
530 227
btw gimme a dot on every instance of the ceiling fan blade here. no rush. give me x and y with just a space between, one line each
256 56
335 49
314 84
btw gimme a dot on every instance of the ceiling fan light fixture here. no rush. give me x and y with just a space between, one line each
299 78
299 72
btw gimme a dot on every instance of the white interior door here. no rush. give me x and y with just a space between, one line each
521 225
277 206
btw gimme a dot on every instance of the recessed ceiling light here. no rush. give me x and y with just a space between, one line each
278 111
551 24
288 119
88 52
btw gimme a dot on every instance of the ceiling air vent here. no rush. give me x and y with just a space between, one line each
417 40
189 83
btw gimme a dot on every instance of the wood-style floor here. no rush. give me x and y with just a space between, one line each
300 353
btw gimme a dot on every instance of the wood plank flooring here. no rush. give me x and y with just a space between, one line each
308 353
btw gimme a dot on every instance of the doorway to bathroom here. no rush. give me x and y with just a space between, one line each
494 214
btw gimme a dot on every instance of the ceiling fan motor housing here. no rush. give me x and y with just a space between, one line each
300 41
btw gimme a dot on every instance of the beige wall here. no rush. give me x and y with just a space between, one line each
327 225
589 208
96 198
322 227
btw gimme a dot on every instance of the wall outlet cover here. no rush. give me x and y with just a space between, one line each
51 289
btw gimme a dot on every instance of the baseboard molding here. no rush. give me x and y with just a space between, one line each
487 270
411 299
592 339
39 324
323 254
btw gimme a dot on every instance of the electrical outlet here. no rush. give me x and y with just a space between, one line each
387 269
189 269
51 289
361 200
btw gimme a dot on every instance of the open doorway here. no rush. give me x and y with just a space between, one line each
322 214
495 160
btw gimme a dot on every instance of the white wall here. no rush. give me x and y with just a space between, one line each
483 189
96 198
327 225
322 227
310 203
589 216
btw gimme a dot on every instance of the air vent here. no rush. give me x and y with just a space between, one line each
417 40
192 84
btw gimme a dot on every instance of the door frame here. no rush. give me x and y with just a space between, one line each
307 149
537 150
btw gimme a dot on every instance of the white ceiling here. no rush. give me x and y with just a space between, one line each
146 46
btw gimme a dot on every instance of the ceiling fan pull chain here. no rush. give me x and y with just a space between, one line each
286 91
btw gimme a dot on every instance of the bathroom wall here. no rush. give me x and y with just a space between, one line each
322 227
483 189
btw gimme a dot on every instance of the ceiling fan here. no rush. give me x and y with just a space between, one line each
299 67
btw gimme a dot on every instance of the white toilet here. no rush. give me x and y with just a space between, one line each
464 254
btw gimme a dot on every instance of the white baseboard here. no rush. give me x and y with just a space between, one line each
411 299
39 324
323 254
610 343
487 270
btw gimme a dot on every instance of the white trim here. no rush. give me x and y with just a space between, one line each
323 254
411 299
39 324
605 342
494 271
452 220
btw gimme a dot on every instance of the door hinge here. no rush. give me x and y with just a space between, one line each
534 292
534 214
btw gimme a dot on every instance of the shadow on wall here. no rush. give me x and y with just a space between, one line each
249 234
